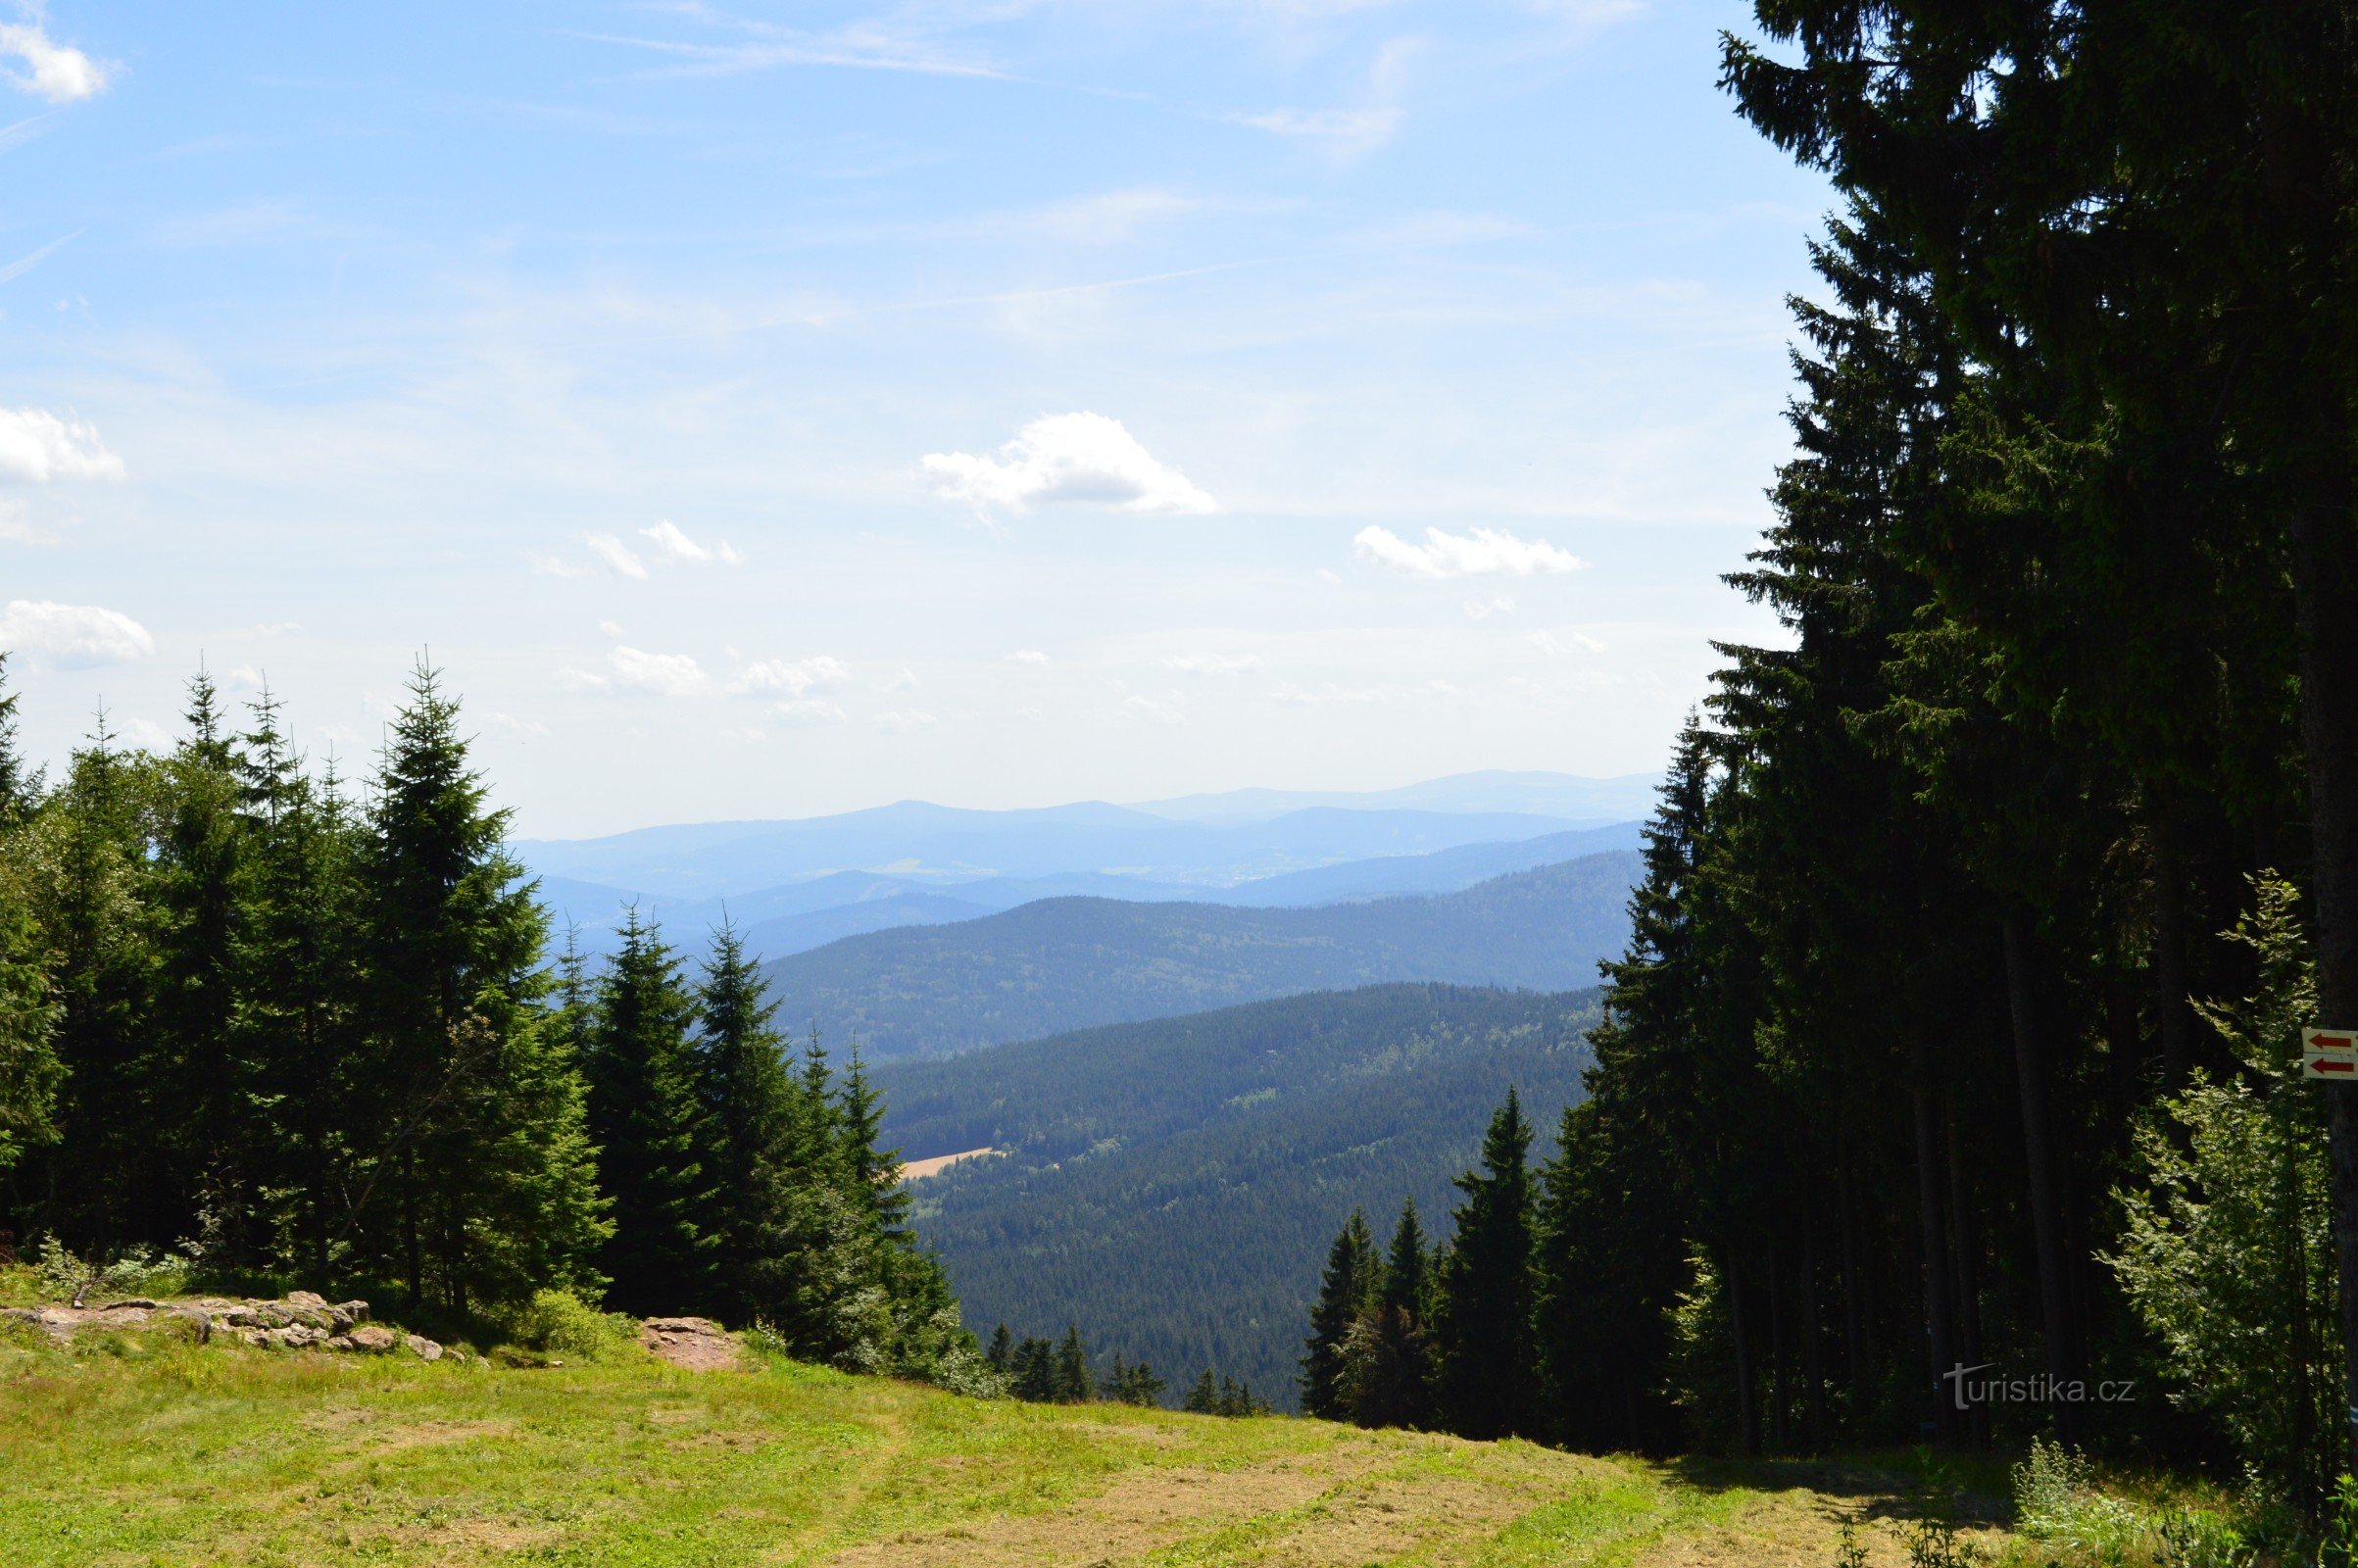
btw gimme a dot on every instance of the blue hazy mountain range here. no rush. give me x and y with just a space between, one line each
1058 964
798 884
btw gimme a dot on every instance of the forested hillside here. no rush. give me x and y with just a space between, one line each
278 1030
1952 1083
1071 963
1170 1186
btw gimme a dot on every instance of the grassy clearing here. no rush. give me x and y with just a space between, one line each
147 1449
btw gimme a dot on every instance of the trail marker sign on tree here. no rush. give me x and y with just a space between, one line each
2330 1054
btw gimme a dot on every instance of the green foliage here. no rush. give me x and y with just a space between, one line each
320 1036
137 1270
1484 1370
559 1323
1061 964
2226 1253
1173 1186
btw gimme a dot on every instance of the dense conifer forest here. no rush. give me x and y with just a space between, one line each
1170 1185
291 1030
1950 1089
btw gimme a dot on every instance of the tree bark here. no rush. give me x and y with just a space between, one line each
1941 1339
1748 1417
2039 1153
1854 1339
2326 612
1967 1236
2174 1012
1813 1338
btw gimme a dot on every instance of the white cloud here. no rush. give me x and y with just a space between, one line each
612 628
1153 708
38 447
1346 132
677 546
243 678
144 734
1480 553
658 674
1083 458
71 636
809 711
1484 608
1549 643
903 681
1214 664
1027 656
905 723
552 566
52 69
819 673
617 554
1110 215
521 728
1325 692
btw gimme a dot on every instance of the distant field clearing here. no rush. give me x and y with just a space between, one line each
917 1170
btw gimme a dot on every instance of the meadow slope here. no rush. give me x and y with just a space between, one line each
146 1450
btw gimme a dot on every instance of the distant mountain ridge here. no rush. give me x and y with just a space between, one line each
1072 963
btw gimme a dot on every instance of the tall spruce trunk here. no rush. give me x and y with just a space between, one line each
1813 1338
2039 1153
1967 1237
1748 1415
2174 1011
1941 1339
1854 1337
2325 606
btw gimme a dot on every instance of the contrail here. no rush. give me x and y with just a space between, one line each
25 263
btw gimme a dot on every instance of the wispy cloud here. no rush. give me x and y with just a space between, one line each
1214 664
1479 552
25 263
1028 655
674 545
819 673
635 672
617 556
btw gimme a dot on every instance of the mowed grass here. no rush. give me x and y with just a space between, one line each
138 1448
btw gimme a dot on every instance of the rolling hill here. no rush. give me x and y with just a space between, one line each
1172 1186
1071 963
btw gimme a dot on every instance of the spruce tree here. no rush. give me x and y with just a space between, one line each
1484 1325
1406 1280
751 1116
479 1130
1073 1384
650 1127
1001 1356
196 873
1204 1398
1344 1292
298 977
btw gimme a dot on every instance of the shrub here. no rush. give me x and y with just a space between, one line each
557 1323
134 1271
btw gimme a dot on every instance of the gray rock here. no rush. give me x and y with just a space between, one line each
374 1339
307 1299
423 1349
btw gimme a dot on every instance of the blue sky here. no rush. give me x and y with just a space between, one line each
774 410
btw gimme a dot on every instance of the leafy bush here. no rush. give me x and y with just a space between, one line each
134 1271
2197 1540
557 1323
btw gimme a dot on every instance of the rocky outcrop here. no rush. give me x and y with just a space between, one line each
300 1320
696 1343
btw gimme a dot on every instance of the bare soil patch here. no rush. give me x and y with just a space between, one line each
696 1343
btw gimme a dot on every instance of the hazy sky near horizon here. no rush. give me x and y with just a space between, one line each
768 410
